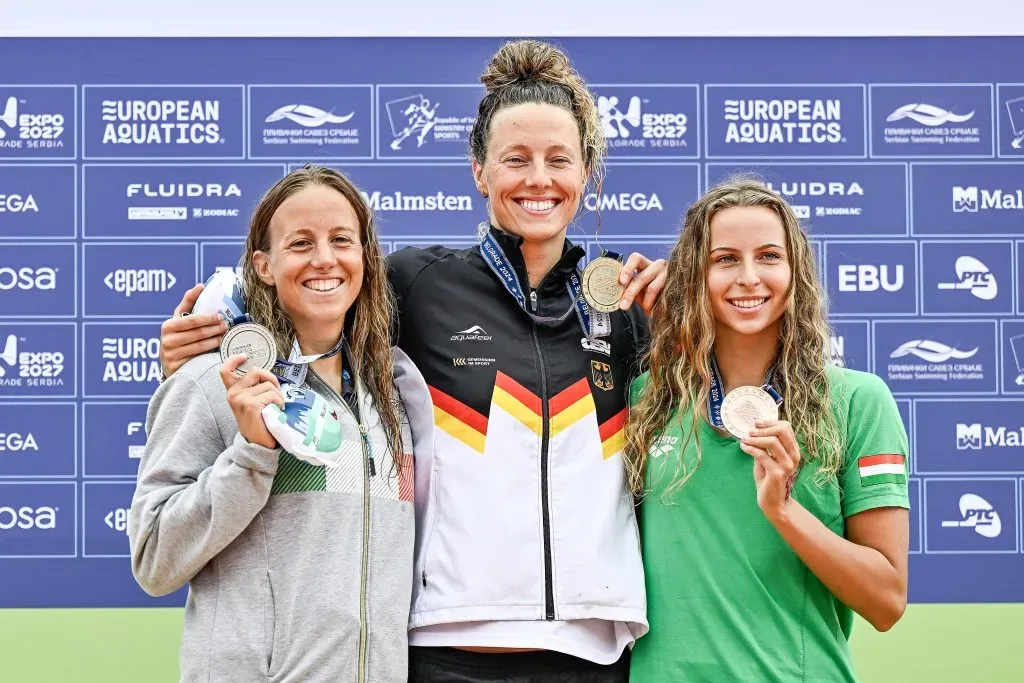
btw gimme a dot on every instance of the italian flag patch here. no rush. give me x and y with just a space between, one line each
882 469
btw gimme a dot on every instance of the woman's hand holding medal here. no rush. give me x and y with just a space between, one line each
776 459
248 395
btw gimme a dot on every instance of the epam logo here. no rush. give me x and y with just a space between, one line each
975 436
971 199
131 359
129 281
978 514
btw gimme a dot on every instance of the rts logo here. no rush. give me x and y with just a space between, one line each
975 277
28 278
978 514
870 278
128 281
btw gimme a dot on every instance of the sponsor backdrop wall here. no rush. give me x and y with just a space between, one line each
129 168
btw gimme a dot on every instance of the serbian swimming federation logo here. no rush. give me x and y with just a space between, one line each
931 351
928 115
306 115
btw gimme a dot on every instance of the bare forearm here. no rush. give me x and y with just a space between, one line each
860 576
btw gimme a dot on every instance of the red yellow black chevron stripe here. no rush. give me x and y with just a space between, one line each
517 401
613 434
459 420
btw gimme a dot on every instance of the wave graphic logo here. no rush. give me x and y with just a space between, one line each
928 115
306 115
931 351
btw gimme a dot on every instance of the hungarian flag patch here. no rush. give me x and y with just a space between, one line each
882 469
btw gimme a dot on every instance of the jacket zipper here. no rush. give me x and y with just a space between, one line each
545 504
367 458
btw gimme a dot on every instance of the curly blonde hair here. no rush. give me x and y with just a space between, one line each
683 335
532 71
368 322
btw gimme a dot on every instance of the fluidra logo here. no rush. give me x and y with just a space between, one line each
804 190
161 122
637 127
21 129
783 121
128 281
936 366
29 368
131 359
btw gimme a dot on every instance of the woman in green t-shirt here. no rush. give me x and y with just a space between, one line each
758 550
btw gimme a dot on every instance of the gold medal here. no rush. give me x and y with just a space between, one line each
743 406
601 287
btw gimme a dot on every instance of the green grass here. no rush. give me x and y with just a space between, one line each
933 643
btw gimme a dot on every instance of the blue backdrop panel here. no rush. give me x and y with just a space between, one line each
129 168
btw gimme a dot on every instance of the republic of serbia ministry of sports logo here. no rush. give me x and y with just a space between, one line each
425 122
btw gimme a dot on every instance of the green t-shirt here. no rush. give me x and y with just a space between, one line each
728 599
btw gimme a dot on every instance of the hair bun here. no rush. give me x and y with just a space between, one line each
526 60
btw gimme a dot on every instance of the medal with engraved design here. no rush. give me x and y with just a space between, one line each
253 341
743 406
601 287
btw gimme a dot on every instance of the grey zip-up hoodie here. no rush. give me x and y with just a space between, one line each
295 572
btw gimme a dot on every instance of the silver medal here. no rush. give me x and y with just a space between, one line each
253 341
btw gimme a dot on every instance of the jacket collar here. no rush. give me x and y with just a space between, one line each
567 262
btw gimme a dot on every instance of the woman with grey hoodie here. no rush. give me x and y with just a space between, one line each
296 571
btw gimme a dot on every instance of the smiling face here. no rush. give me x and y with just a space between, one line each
533 173
314 261
748 272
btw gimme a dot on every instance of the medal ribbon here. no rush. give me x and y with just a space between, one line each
715 396
594 323
293 370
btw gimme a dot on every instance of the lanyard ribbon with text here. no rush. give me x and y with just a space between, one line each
594 323
716 395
